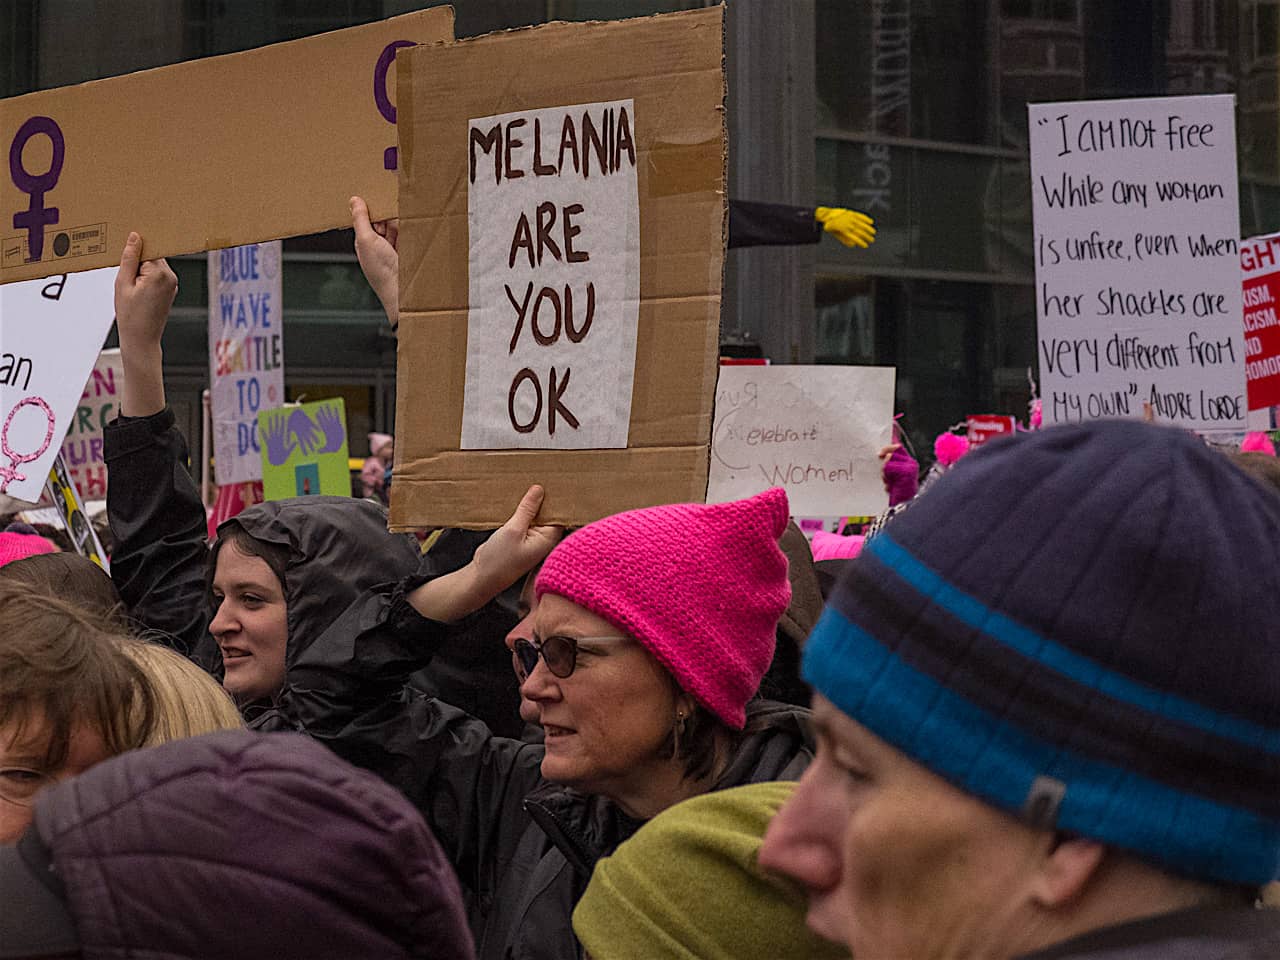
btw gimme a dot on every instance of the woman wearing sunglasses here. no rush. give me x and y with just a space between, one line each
651 632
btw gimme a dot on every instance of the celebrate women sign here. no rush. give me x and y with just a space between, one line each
51 331
1137 260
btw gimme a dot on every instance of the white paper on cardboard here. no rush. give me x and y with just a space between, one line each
812 430
51 331
554 282
246 353
1137 227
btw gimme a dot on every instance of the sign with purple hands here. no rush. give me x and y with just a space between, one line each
304 450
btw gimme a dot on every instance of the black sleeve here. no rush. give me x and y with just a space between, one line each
771 224
158 523
347 690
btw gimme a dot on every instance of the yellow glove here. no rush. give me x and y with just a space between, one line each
850 227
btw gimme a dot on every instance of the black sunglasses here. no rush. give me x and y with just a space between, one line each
560 654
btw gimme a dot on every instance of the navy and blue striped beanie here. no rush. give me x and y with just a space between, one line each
1082 627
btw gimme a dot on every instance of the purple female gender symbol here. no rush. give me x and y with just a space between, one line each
10 473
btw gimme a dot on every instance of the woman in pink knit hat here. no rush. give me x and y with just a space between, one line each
651 633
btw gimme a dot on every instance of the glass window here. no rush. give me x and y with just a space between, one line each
904 68
934 210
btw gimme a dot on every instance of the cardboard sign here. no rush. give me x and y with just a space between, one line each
304 450
51 332
246 353
814 431
981 427
1258 263
205 154
82 448
676 128
554 226
1137 229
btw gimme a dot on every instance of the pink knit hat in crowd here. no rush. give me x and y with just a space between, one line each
701 586
19 546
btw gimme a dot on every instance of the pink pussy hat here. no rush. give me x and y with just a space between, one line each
700 585
19 546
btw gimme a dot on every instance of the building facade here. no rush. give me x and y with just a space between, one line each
913 111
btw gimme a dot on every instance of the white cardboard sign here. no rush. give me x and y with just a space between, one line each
246 353
554 282
814 431
1137 228
51 331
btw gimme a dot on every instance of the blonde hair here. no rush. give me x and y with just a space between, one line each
188 702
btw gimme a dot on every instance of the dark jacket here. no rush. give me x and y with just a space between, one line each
160 561
237 844
524 848
1220 933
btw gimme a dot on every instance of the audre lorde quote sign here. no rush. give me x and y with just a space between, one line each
554 255
1137 228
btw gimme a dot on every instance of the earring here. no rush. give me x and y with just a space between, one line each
679 730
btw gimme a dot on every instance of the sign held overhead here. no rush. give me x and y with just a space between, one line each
272 143
1137 229
559 316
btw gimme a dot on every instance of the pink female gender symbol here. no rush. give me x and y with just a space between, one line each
10 473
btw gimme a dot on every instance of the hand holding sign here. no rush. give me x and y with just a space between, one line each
379 259
144 292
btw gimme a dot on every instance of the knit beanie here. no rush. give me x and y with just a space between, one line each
1080 626
19 546
687 887
700 585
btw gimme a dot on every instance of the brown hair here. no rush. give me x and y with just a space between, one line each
1260 466
71 577
699 739
62 664
274 555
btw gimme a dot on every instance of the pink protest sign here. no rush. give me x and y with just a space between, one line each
1260 269
983 426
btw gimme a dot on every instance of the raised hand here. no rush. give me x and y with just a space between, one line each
379 259
334 429
517 546
144 293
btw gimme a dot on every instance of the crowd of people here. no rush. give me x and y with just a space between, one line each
1044 721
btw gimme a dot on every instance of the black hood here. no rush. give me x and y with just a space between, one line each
338 547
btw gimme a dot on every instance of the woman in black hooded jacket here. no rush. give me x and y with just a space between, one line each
634 719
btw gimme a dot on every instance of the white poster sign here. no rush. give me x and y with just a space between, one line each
1137 229
246 353
99 403
554 283
814 431
51 332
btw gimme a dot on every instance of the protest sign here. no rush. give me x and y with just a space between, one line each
82 448
1261 292
51 332
981 427
529 238
281 136
69 507
246 354
1137 260
814 431
538 296
304 450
